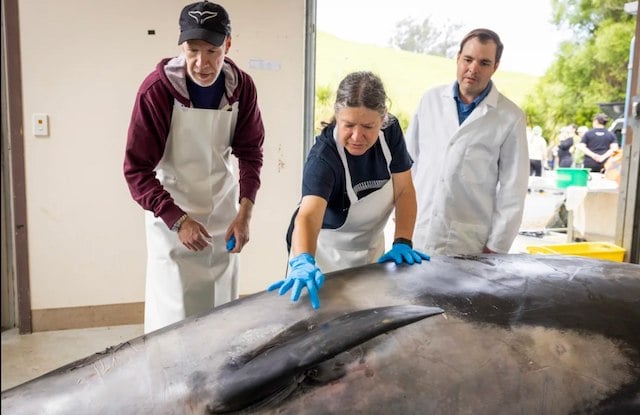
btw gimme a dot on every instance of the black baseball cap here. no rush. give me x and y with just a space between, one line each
204 21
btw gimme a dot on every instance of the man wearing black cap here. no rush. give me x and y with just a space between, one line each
598 144
190 113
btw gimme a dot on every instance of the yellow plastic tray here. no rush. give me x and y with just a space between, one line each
599 250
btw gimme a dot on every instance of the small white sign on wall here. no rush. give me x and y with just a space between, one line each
265 65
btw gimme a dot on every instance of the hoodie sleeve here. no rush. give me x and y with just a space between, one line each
248 138
146 140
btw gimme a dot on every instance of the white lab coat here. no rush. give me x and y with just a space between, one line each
471 179
537 146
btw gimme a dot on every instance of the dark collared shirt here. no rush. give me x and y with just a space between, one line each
464 110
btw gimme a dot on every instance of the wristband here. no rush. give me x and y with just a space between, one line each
403 241
176 226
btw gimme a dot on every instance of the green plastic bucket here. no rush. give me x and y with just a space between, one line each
566 177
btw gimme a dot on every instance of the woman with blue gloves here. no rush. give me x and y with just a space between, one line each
357 172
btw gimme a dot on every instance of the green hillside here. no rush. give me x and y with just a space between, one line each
406 75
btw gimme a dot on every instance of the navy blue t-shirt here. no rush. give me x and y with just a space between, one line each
599 140
324 174
206 97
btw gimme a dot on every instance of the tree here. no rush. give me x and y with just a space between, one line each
590 69
425 37
323 106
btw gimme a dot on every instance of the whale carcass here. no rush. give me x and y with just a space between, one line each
489 334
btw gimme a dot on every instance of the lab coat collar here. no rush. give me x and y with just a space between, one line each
484 106
478 99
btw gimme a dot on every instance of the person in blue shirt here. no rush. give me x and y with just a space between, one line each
356 174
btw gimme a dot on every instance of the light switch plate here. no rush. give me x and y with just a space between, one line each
41 125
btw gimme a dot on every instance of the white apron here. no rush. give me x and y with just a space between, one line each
195 169
360 240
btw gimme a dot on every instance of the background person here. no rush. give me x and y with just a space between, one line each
552 150
578 155
189 114
471 160
357 172
598 144
537 147
565 146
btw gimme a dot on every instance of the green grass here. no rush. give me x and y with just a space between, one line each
406 75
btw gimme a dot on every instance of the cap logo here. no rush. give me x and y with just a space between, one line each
201 17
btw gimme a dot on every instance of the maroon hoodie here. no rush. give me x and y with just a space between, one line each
151 122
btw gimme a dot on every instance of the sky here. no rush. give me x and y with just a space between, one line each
530 40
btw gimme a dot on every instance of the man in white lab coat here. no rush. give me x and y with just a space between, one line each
471 165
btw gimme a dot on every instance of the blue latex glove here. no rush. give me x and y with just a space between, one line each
231 243
303 272
401 252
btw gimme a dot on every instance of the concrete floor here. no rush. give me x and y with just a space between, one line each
25 357
539 208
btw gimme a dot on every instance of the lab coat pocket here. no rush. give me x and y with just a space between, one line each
467 238
477 162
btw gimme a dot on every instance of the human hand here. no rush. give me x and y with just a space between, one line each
238 231
193 235
401 252
303 272
231 243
